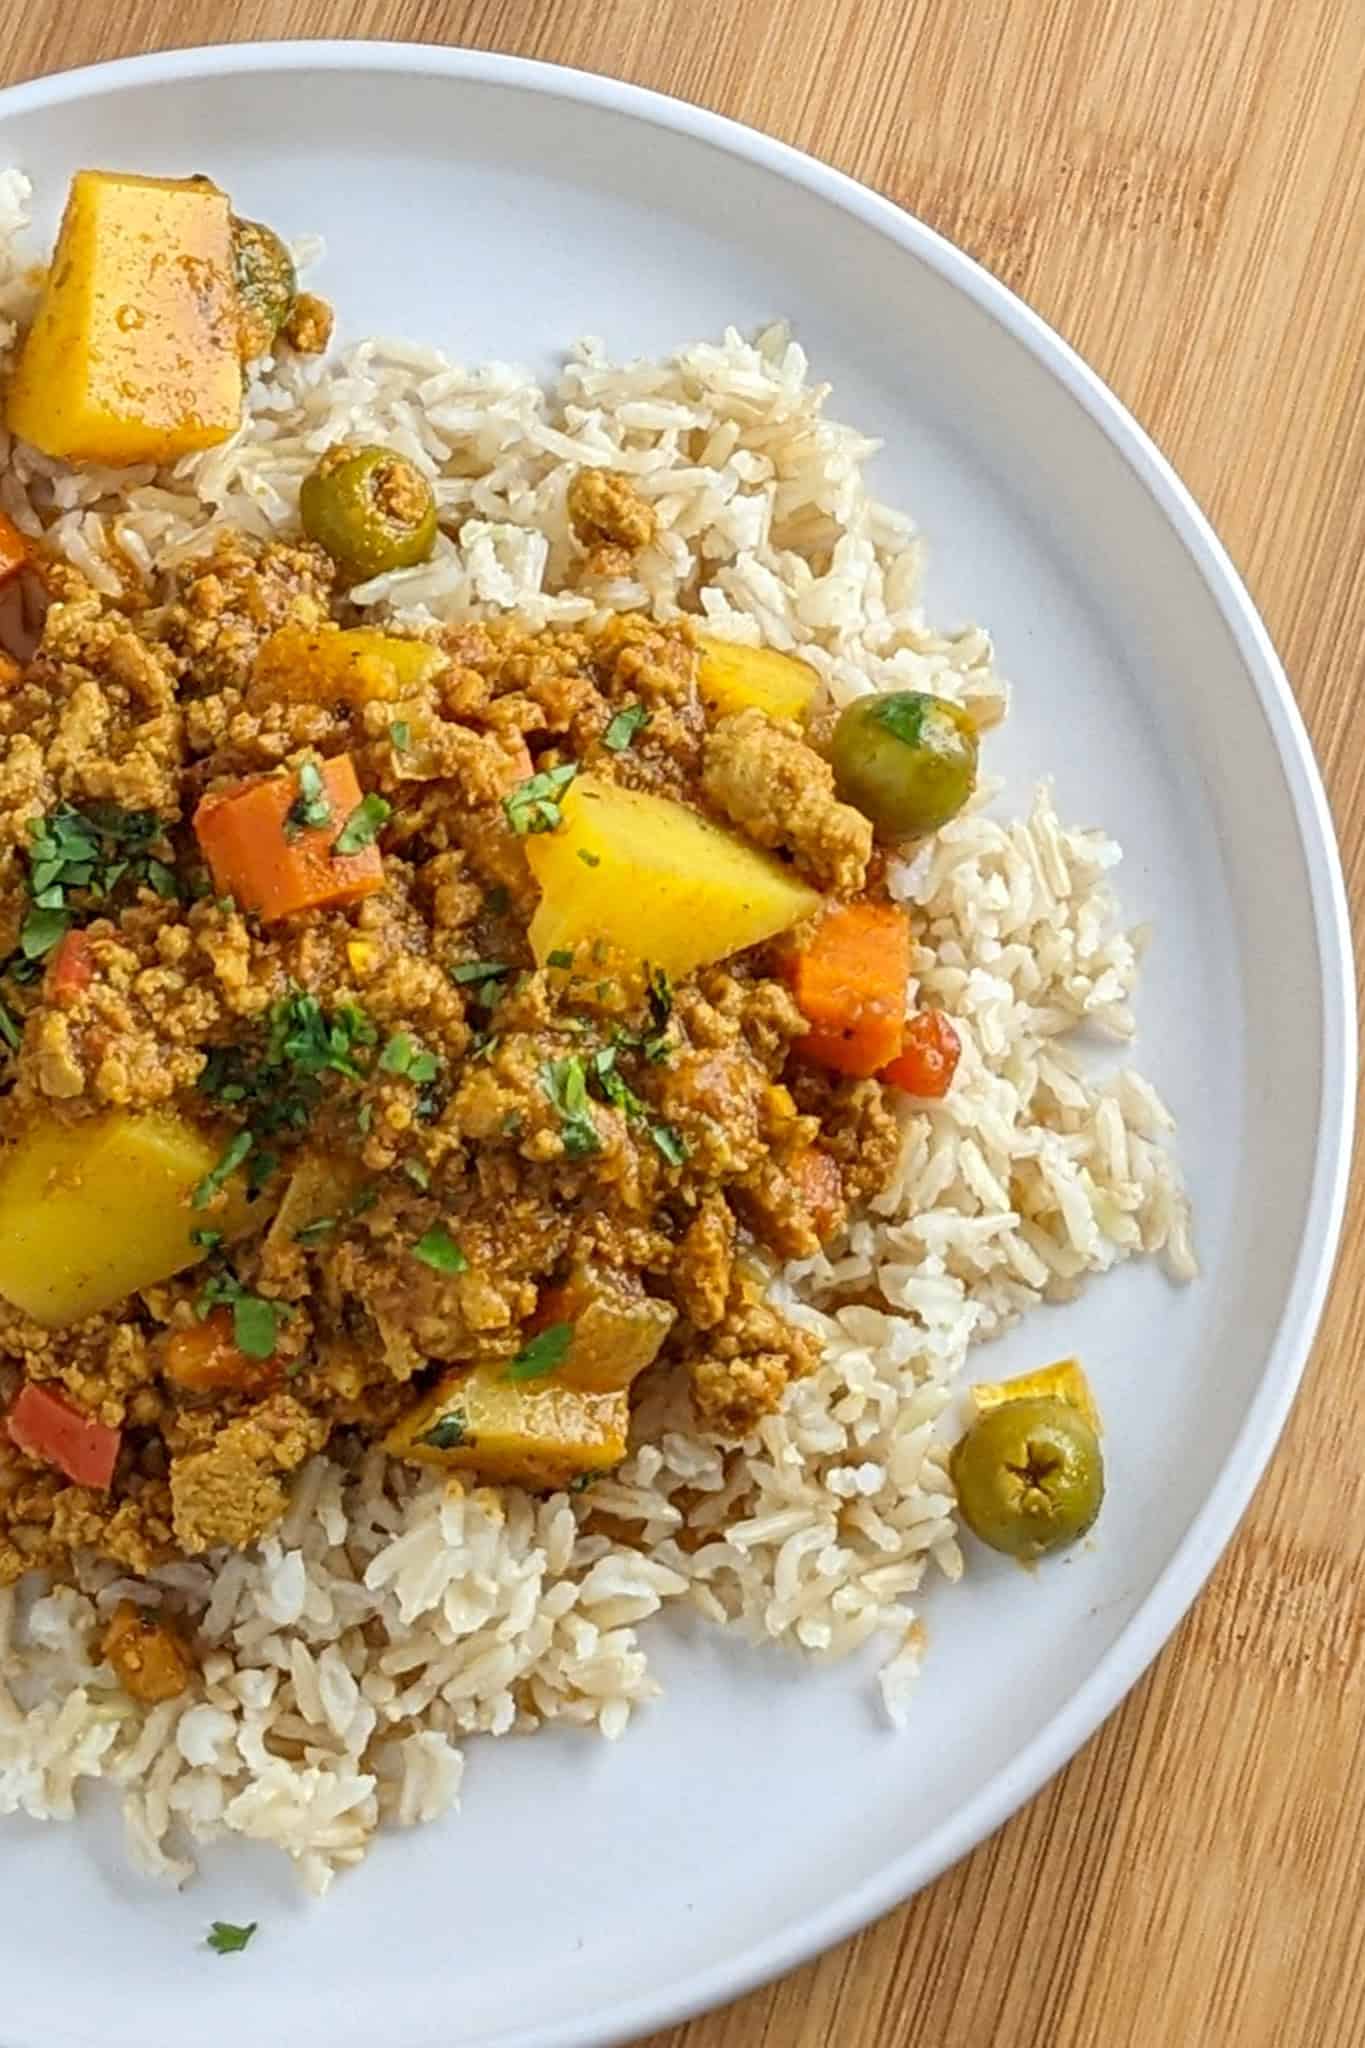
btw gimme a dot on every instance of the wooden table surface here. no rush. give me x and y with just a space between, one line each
1180 189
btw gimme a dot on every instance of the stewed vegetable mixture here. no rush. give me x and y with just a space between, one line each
405 1036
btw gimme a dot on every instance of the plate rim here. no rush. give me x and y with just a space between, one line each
1213 1527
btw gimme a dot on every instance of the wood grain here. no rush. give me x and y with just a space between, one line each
1181 190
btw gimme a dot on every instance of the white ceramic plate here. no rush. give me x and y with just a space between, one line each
590 1893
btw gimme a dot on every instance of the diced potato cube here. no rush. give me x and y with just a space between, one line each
320 1187
618 1329
351 665
736 678
133 353
654 882
91 1212
1063 1381
535 1433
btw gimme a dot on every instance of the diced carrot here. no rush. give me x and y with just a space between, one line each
45 1425
928 1057
72 966
849 984
274 865
204 1358
15 549
820 1186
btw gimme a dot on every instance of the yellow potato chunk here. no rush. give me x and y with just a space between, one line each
1063 1381
654 881
735 678
535 1433
133 356
618 1329
91 1212
320 1188
356 665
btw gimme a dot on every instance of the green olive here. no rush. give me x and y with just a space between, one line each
907 761
266 284
371 509
1029 1476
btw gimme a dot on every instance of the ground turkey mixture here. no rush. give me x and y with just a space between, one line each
438 1164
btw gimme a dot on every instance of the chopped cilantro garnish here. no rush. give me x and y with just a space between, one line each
479 974
542 1354
9 1029
621 731
365 1198
315 1232
237 1150
363 826
436 1247
448 1434
612 1086
255 1321
532 806
255 1325
88 851
312 807
484 1044
400 735
417 1173
566 1083
402 1055
561 957
589 860
41 930
226 1940
259 1169
364 1117
207 1240
670 1142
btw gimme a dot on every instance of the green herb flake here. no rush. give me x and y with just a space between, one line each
363 826
417 1173
561 957
400 735
232 1158
226 1940
364 1118
206 1240
533 805
565 1081
589 860
312 807
364 1200
403 1056
479 975
670 1142
438 1249
448 1434
544 1352
255 1325
611 1084
41 930
621 731
315 1232
9 1029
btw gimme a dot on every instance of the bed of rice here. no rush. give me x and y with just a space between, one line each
389 1617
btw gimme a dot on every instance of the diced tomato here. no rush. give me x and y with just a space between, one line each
15 549
203 1358
72 966
930 1051
44 1424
